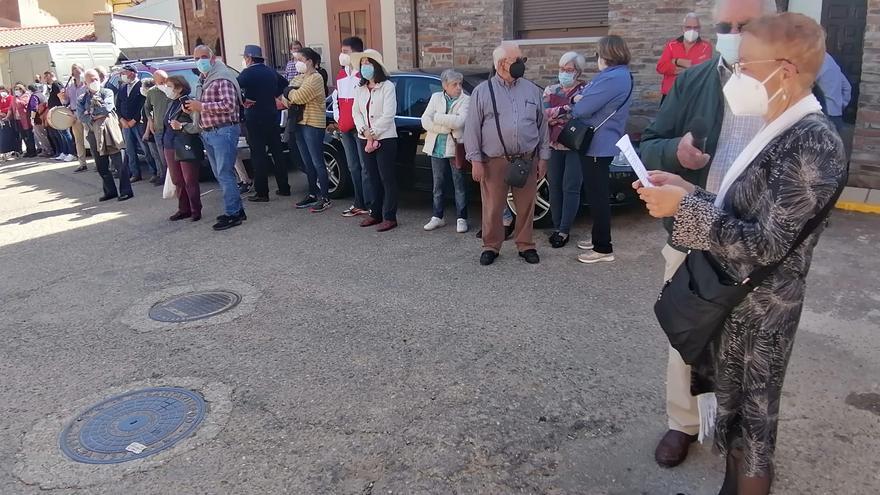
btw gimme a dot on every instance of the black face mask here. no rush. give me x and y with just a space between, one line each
518 68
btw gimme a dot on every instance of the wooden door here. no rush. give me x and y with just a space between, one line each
346 18
844 21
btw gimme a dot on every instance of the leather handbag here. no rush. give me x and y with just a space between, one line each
695 303
460 161
577 135
518 166
188 147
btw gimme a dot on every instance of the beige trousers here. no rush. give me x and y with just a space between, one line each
681 406
79 136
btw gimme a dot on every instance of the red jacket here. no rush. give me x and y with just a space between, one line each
343 99
699 53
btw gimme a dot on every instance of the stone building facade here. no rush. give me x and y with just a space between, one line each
437 33
202 24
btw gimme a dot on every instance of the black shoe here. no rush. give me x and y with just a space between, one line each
242 215
307 202
321 205
107 197
480 234
558 240
508 230
256 198
531 256
227 222
125 197
488 257
244 188
282 193
81 168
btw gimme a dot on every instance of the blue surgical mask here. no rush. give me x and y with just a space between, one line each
204 65
566 79
368 71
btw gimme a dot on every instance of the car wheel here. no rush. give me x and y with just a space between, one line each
337 172
542 203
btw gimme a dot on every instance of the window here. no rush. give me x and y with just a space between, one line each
280 30
353 23
198 5
537 19
414 94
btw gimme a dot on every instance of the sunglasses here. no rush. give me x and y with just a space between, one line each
727 27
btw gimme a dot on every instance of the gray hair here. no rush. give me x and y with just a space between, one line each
691 15
768 6
580 63
451 76
93 72
102 72
148 82
500 53
204 48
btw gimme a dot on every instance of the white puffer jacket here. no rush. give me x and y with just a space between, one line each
436 121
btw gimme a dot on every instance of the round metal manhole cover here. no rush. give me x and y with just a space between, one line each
194 306
133 425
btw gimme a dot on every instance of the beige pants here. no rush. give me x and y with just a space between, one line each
681 406
79 136
493 190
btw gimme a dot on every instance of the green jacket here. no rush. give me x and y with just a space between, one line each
155 106
696 93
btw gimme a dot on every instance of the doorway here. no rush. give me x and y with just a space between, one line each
844 23
346 18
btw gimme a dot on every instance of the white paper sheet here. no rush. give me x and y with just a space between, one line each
635 162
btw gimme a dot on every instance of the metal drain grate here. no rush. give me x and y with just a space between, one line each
194 306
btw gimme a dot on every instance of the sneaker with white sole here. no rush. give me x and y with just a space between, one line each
461 226
594 257
68 158
349 212
60 157
435 223
585 245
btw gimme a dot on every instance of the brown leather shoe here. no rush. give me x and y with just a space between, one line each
673 448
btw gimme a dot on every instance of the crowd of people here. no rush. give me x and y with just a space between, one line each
769 164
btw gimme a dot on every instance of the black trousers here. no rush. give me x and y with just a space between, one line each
381 167
597 192
263 135
102 163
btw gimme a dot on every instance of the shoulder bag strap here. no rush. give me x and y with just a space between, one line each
628 96
758 276
495 111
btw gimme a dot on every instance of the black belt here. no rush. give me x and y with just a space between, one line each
219 126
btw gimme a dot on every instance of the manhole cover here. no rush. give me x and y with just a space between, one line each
194 306
133 425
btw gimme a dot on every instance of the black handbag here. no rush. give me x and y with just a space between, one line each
577 135
519 166
694 304
188 147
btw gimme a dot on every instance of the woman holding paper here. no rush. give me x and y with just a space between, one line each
789 173
603 103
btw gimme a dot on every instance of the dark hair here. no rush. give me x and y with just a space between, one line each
49 73
355 43
180 82
258 60
312 55
613 50
296 43
32 88
379 73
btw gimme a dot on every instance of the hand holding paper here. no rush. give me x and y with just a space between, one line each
626 147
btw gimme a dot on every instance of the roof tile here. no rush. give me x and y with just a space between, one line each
80 31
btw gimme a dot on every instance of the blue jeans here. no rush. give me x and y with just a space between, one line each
360 181
133 141
440 167
310 141
62 141
221 146
566 179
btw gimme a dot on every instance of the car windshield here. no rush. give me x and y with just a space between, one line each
187 74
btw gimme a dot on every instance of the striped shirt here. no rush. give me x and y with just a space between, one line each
219 104
309 91
290 70
736 133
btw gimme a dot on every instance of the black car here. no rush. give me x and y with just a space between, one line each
414 90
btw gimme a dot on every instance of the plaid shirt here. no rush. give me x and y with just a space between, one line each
736 133
290 70
219 104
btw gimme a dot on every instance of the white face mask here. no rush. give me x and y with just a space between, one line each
244 63
748 96
601 63
94 86
169 93
18 92
691 35
344 59
301 67
144 91
728 47
3 94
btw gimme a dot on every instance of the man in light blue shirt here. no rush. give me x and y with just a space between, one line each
837 90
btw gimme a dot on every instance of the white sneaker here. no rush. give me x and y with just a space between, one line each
60 157
585 245
461 226
594 257
435 223
69 158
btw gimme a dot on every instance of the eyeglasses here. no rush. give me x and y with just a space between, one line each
727 27
695 28
738 67
568 71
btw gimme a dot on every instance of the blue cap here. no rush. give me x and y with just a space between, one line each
253 51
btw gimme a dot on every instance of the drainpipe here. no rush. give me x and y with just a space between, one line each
416 62
220 20
183 23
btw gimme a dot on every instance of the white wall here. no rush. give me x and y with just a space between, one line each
811 8
389 34
240 26
142 33
166 10
317 32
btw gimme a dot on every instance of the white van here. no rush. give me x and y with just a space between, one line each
26 61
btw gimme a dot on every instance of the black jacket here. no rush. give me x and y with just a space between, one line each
260 83
130 103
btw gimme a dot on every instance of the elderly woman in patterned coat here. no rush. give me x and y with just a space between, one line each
783 179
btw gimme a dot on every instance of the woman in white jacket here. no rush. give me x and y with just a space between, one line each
444 120
375 106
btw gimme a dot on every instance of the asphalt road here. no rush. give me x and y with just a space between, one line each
393 363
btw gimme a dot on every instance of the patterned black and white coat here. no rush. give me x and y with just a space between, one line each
766 208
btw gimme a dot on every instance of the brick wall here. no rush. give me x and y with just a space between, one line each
865 163
203 26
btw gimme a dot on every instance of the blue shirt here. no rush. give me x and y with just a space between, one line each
835 86
601 97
